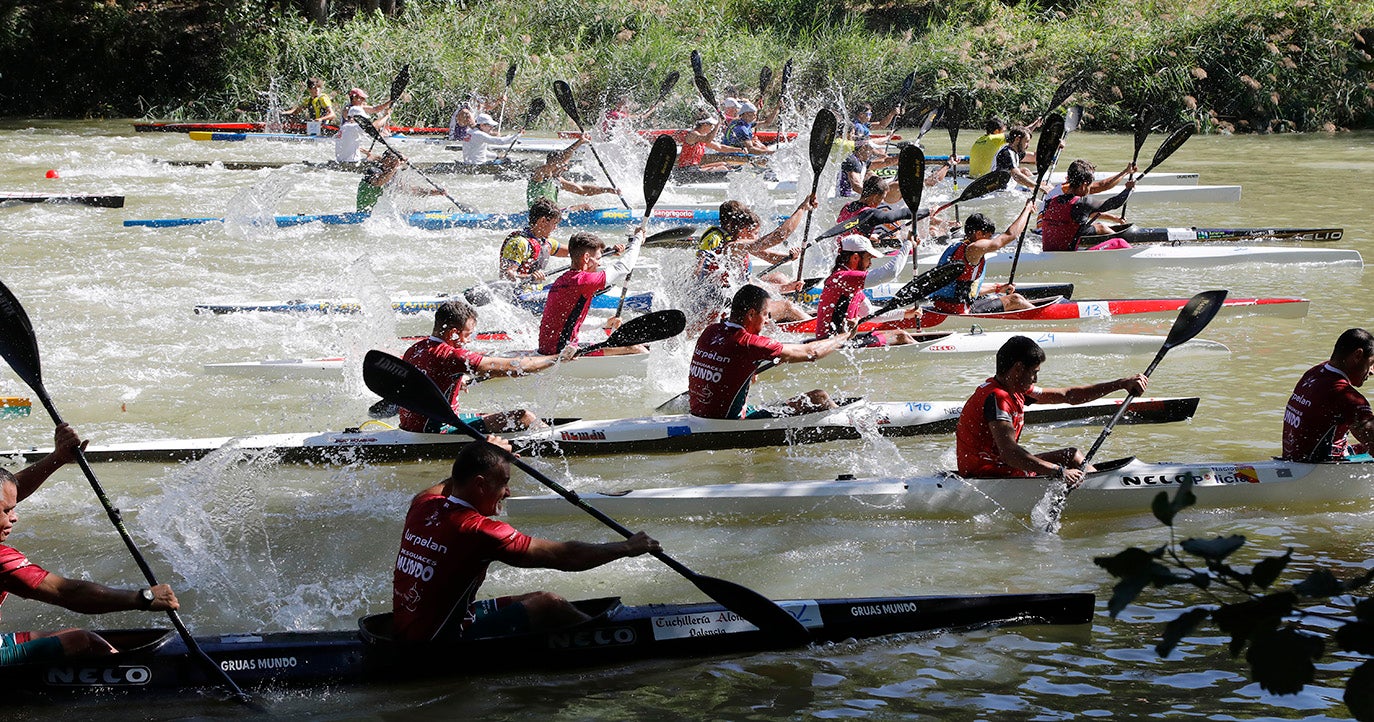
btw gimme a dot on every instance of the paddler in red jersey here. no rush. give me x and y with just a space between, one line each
1325 405
25 579
968 293
525 253
842 297
570 297
728 354
1071 213
450 539
699 139
723 262
987 438
443 358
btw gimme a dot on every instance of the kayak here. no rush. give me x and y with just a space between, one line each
1146 193
494 168
1124 486
1135 235
1145 258
440 220
679 134
523 145
290 126
583 367
158 660
654 434
641 302
14 199
346 218
11 406
932 344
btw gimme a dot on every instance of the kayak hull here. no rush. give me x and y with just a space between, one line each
1146 258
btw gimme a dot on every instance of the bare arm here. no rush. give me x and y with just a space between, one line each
788 227
583 189
1363 431
1015 455
1083 394
576 556
520 365
978 249
812 350
90 598
65 441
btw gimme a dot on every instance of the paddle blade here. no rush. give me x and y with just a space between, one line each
908 83
667 86
932 116
662 158
696 64
985 184
18 345
911 176
1063 92
925 284
399 83
1175 140
676 234
1141 126
1051 133
765 80
822 138
786 78
649 328
401 383
510 74
534 111
953 116
1196 314
368 128
861 222
759 610
704 87
1072 118
563 93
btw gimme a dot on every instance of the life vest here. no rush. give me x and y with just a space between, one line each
691 155
738 132
530 256
1058 228
964 289
711 260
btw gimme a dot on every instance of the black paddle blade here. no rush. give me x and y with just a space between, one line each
1050 134
985 184
672 235
510 74
822 138
368 128
861 222
1175 140
908 83
765 79
932 116
649 328
662 158
786 78
696 64
953 116
1141 125
1063 92
667 86
925 284
18 345
1196 314
401 383
563 93
534 111
911 176
759 610
704 87
399 83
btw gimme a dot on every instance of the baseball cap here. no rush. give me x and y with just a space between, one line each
358 92
747 107
704 121
857 243
730 103
485 119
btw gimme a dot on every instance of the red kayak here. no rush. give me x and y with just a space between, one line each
1059 309
261 127
678 134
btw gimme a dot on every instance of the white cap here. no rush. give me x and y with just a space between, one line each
485 119
858 243
747 107
730 104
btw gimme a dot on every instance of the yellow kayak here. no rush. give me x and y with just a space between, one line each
14 406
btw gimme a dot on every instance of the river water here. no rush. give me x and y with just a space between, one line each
250 545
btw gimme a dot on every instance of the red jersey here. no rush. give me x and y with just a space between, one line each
844 286
18 574
445 365
956 297
1323 406
974 445
445 549
851 209
691 155
723 366
570 297
1059 228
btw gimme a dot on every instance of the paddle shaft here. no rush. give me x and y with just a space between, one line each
1044 170
501 117
377 136
118 521
578 122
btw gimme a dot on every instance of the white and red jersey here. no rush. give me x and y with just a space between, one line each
723 366
1320 412
445 365
844 287
569 299
446 547
18 574
974 443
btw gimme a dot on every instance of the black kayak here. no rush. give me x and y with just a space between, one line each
157 660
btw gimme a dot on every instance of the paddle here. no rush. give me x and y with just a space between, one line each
696 64
662 158
704 87
765 80
563 92
932 116
1140 125
907 84
953 118
822 139
1046 152
1061 94
399 83
534 111
510 78
981 186
376 135
19 347
394 379
911 177
1175 140
1196 314
663 89
783 86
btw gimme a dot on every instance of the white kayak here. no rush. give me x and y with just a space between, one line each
1145 258
663 433
790 186
933 345
1129 488
1142 194
584 367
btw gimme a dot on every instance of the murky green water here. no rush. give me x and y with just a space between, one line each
254 546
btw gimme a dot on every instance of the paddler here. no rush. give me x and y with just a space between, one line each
856 167
723 261
442 356
547 180
1325 406
449 540
525 253
316 105
987 438
739 133
985 148
570 297
25 579
376 178
1071 213
968 294
699 139
475 147
863 125
461 123
727 355
348 144
1010 156
843 299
